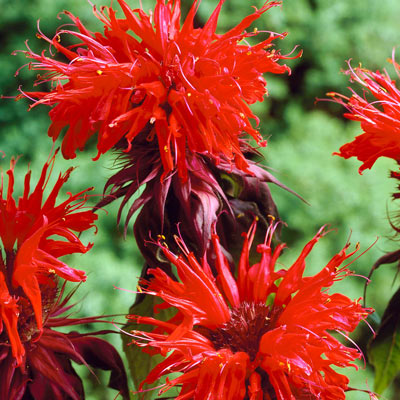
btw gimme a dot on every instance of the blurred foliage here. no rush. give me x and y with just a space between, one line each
302 137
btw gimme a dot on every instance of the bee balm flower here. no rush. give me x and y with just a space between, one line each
380 118
34 233
188 88
263 335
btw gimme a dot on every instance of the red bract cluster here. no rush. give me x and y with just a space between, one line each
263 335
35 232
212 194
190 87
379 117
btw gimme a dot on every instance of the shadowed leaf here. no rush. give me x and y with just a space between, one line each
141 363
384 349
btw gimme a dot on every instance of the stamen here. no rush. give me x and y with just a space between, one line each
243 332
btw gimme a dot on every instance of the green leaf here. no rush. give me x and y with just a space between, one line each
232 185
141 363
384 349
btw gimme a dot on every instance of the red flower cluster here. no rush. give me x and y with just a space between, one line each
34 233
380 119
263 335
189 87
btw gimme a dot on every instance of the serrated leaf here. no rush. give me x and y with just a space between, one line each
141 363
384 349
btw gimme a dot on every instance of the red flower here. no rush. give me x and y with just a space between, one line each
47 372
263 335
35 232
190 85
380 119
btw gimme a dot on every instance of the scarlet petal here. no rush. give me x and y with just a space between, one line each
255 390
9 312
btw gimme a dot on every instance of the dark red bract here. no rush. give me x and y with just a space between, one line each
212 194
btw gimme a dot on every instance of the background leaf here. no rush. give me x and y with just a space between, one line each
141 363
384 350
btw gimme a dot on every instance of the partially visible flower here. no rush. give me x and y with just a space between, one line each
34 233
46 371
380 118
191 86
266 334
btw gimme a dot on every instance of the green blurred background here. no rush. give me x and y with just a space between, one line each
302 136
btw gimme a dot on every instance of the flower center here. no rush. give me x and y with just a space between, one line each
243 332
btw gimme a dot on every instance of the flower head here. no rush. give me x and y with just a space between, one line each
380 119
35 232
263 335
47 371
189 86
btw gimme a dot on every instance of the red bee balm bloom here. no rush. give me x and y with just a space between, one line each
190 85
34 235
264 335
380 119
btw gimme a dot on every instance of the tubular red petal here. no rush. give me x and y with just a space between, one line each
228 283
9 312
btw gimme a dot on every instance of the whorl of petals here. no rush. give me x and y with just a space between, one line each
378 111
264 334
191 86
